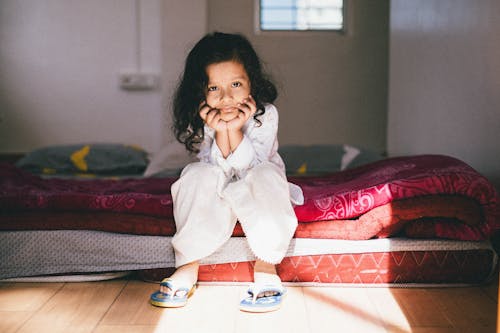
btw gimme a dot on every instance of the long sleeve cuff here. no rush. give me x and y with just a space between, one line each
217 158
242 158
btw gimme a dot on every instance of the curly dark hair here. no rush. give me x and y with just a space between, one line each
215 48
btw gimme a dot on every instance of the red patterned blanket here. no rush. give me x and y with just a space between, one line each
420 196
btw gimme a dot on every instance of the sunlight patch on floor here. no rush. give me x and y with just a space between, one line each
354 309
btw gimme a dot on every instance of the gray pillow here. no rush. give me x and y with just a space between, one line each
321 159
100 158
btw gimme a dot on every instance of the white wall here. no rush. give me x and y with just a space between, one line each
59 67
60 60
184 23
333 87
444 82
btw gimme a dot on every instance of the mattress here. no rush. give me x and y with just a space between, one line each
396 261
419 219
427 196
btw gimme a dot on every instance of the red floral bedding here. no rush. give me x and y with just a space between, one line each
420 196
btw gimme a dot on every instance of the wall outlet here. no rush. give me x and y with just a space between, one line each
138 81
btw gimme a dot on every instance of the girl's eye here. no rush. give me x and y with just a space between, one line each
236 84
212 88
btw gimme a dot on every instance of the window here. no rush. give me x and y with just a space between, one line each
300 15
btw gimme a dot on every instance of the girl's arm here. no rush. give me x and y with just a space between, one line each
228 135
247 109
259 143
212 118
247 148
223 142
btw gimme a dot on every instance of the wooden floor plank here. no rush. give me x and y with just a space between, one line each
389 310
491 289
19 301
132 307
468 309
208 307
77 307
215 309
26 296
291 317
420 308
11 321
122 306
129 329
342 310
438 330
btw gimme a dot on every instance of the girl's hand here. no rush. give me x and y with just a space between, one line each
247 108
203 110
212 117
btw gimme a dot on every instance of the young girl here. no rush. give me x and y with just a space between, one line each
223 112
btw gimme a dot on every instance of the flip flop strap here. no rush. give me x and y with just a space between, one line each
256 289
173 288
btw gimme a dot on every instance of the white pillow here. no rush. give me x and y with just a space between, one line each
170 159
350 154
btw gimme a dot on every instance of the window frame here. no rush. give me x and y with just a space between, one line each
283 32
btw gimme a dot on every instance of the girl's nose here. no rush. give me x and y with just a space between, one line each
226 95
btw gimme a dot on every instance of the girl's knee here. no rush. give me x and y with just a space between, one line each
199 169
199 179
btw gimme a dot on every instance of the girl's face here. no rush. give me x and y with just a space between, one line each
228 85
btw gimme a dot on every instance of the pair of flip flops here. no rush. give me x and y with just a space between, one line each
177 297
257 302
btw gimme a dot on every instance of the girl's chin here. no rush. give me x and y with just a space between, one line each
228 116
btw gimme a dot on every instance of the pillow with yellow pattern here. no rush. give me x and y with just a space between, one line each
98 159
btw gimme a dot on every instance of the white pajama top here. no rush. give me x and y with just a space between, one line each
259 144
248 186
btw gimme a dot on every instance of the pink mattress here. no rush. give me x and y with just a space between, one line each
421 196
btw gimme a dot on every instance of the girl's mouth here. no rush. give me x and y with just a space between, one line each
227 109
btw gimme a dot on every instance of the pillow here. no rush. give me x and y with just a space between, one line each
314 159
101 158
364 157
299 159
169 161
320 159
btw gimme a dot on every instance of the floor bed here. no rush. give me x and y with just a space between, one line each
417 220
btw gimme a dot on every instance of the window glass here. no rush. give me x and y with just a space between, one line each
301 15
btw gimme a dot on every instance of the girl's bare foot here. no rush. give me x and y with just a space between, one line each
265 273
266 293
185 276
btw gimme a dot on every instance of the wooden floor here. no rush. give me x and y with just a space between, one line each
122 306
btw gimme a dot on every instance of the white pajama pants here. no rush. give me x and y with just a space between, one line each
206 208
